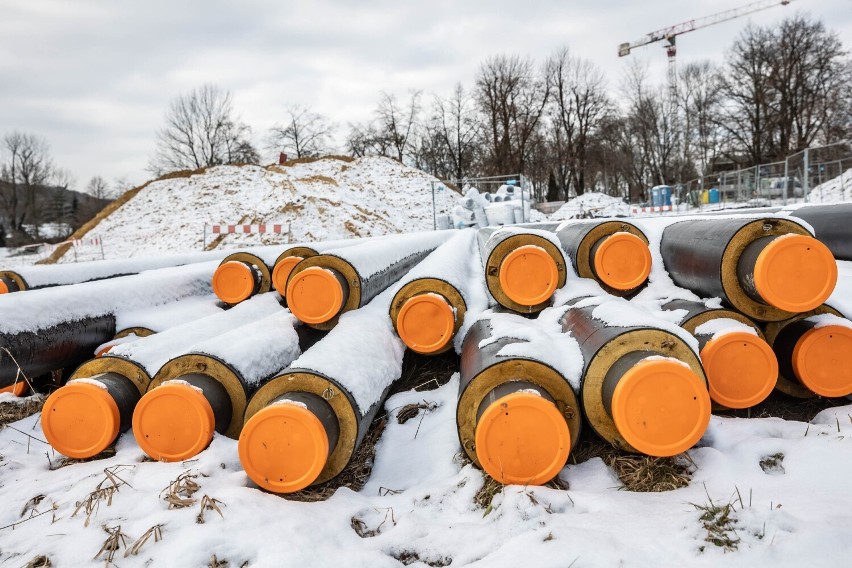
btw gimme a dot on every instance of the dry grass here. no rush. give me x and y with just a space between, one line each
779 405
310 160
13 411
216 563
155 531
208 503
720 523
486 494
40 561
180 491
114 540
646 474
108 452
318 179
104 491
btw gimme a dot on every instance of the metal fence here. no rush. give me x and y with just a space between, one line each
488 184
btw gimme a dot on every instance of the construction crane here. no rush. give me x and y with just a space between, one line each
670 34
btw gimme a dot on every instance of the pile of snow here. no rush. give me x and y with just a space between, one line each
326 199
833 190
592 204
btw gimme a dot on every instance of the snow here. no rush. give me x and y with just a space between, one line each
592 204
154 351
92 382
372 257
825 320
325 199
160 318
38 309
834 190
718 327
841 298
362 353
183 383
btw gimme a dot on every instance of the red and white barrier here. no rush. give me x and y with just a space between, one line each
658 209
249 229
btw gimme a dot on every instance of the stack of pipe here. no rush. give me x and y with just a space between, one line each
323 287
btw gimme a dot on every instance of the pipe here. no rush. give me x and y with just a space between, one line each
433 299
54 328
206 391
615 253
517 418
287 447
814 351
644 389
831 226
741 367
768 269
323 287
135 363
524 266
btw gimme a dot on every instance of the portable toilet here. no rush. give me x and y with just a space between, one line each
714 195
665 195
656 199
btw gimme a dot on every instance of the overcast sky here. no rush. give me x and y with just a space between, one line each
95 77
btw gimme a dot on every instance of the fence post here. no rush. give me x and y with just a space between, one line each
805 180
204 241
786 178
434 214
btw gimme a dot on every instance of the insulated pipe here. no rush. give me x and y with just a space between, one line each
291 256
644 389
285 447
206 391
741 367
768 269
517 418
323 287
814 351
524 266
432 301
71 429
50 275
615 253
831 226
54 328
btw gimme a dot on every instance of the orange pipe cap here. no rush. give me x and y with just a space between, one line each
522 439
314 295
425 323
283 448
233 282
795 273
80 420
282 271
661 407
623 261
741 369
173 422
528 275
17 389
822 359
3 288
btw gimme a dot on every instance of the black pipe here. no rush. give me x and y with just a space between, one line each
216 396
831 225
124 393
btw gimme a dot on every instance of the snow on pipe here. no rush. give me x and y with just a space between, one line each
303 426
769 269
435 297
524 266
81 419
206 391
814 351
644 389
831 226
55 328
49 275
518 417
615 253
740 365
322 287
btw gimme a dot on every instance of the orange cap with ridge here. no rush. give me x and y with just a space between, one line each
660 407
822 360
17 389
3 288
282 271
795 273
523 439
80 419
315 295
283 448
741 369
233 282
425 323
173 422
623 261
528 275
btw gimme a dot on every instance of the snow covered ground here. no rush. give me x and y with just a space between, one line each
833 190
591 204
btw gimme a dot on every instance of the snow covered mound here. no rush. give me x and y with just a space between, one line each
834 190
592 204
329 198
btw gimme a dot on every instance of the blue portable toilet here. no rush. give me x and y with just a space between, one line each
665 195
656 198
714 195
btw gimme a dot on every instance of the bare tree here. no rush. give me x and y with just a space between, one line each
98 188
302 133
25 168
700 97
201 131
456 132
397 123
364 139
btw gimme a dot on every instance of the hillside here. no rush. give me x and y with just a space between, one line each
322 199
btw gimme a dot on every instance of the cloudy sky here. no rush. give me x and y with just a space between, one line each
94 76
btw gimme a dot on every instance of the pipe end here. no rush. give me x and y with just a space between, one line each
741 369
80 420
233 282
660 407
173 422
281 272
795 273
315 295
425 323
822 360
623 261
17 389
283 448
523 439
528 275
